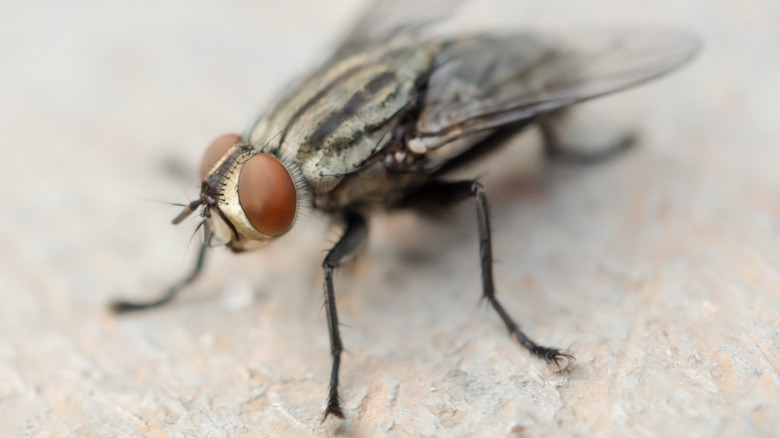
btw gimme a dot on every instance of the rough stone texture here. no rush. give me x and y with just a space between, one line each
659 270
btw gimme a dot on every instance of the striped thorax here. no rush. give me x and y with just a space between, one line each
340 116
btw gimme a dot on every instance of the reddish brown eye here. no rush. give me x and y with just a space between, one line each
267 194
215 151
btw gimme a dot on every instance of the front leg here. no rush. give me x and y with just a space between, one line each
436 195
125 306
355 234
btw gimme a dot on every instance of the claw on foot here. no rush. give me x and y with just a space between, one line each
553 355
333 409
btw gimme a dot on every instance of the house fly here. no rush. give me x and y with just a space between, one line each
384 121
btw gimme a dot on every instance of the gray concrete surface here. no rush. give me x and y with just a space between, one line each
659 271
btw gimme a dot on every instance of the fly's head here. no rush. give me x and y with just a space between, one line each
248 197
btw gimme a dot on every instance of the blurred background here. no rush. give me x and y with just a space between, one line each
658 271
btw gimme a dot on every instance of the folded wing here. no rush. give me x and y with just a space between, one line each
484 82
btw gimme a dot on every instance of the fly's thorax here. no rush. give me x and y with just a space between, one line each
250 194
338 118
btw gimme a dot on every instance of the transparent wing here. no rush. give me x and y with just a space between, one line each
483 82
382 19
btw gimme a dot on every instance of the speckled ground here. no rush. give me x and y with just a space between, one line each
659 270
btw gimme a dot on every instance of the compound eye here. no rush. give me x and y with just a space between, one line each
215 151
267 194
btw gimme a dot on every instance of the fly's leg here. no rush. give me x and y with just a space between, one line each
572 155
122 306
354 236
551 355
438 194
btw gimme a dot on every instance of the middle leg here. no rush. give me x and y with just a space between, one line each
441 194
